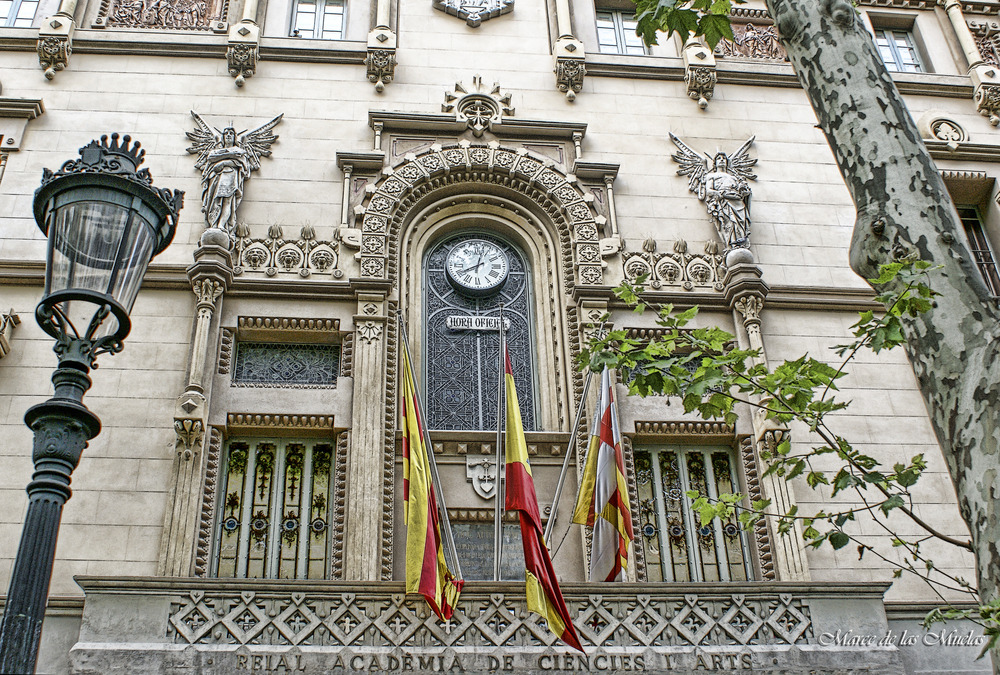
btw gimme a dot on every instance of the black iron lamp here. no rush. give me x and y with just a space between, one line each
104 221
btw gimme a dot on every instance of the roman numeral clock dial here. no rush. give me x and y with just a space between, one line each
477 267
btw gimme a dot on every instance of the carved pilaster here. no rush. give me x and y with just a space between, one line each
363 527
210 275
699 72
745 293
55 43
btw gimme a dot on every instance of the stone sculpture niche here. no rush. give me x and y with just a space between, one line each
722 183
226 159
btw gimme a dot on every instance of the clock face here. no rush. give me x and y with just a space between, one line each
477 267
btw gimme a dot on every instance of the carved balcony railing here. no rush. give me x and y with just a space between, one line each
221 626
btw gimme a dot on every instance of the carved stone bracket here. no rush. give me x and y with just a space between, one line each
7 323
699 72
55 43
570 72
987 99
381 60
243 51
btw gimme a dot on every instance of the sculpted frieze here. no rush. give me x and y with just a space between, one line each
163 14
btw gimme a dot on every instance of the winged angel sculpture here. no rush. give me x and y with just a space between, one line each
722 183
226 160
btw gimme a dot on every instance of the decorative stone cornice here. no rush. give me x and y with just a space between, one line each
15 113
240 422
684 429
474 13
285 323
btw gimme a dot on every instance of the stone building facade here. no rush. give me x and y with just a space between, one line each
241 509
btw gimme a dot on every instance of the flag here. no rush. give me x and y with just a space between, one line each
426 570
542 589
603 500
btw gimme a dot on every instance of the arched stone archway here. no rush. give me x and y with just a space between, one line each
539 181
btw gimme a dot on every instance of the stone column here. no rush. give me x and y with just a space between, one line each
570 56
210 275
365 501
985 77
745 293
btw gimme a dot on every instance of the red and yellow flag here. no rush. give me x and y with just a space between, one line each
426 570
542 588
603 500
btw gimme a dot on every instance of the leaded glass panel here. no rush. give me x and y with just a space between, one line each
462 366
677 546
275 510
280 364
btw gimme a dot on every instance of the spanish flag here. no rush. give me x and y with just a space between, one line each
426 570
603 500
542 589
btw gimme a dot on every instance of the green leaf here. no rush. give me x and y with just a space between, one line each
839 540
893 502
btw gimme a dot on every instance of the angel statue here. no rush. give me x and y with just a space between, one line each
226 160
721 182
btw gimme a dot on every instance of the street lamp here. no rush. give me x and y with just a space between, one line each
104 221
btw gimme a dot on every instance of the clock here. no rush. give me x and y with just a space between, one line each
477 267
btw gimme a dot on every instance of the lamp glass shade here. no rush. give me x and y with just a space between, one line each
100 243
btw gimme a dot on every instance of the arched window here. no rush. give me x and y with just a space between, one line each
461 367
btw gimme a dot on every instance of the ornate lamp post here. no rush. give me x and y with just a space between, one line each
104 221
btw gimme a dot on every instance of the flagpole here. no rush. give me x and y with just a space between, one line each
550 525
501 466
439 492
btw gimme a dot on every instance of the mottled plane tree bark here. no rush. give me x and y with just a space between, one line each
903 209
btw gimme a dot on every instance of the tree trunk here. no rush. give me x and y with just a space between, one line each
903 209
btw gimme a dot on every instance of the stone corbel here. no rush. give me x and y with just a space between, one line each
699 72
8 322
55 39
570 69
243 49
381 59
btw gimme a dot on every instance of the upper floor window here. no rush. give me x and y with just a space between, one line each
320 19
616 33
677 546
277 364
897 50
17 13
979 246
466 278
274 510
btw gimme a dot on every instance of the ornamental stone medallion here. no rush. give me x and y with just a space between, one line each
474 12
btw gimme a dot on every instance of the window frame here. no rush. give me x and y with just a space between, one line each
15 10
276 503
319 20
661 516
618 18
983 247
891 34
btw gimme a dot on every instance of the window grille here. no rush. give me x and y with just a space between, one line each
677 546
17 13
278 364
462 367
319 19
275 511
897 51
616 33
979 246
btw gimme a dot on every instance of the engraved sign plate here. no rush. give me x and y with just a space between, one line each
469 322
474 542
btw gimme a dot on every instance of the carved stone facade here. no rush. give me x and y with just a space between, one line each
196 15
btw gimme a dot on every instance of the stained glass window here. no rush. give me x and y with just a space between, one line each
277 364
274 515
462 366
676 545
